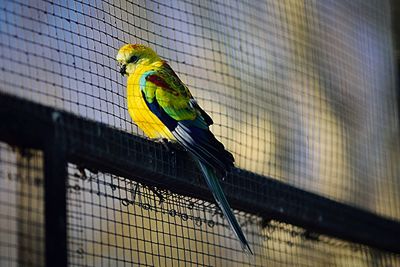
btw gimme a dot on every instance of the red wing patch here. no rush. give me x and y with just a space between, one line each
157 80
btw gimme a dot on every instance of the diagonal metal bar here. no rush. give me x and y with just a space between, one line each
99 147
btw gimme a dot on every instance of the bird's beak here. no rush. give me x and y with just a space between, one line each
123 70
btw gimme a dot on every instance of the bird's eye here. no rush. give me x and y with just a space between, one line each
132 59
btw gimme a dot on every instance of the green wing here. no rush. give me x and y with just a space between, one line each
164 86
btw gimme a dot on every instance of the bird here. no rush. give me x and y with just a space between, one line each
162 106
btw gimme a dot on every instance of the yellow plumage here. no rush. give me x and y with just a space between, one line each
139 110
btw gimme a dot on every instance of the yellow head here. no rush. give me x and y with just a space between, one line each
131 55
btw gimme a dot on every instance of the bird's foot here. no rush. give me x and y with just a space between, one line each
168 144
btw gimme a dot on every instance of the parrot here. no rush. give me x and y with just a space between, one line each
162 106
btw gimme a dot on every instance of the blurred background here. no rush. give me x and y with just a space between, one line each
304 92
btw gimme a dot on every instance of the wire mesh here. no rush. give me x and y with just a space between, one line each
303 92
21 207
114 221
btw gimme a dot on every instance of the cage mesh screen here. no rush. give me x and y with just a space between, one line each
21 207
113 221
302 91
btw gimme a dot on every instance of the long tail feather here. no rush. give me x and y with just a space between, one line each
215 187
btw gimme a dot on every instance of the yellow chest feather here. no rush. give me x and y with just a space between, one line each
140 113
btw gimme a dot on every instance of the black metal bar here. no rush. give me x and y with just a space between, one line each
102 148
55 175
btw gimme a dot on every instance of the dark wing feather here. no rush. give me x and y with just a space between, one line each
202 143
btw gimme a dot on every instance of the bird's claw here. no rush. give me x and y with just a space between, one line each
165 142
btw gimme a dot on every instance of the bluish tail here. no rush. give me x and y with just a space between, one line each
215 187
